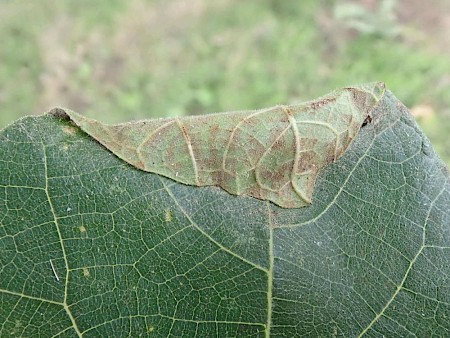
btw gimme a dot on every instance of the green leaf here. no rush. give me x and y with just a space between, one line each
91 246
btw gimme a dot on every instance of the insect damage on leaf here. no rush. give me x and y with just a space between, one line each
271 154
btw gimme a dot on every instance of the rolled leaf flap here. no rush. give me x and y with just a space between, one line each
271 154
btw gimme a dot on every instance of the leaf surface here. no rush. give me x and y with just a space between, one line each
272 154
91 246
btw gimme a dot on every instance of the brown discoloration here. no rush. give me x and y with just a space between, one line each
273 154
139 165
69 130
367 120
258 151
310 184
332 155
307 159
307 143
60 113
320 103
347 118
171 158
287 111
279 144
185 133
360 99
250 122
213 129
281 175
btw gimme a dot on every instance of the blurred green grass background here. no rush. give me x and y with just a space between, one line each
120 60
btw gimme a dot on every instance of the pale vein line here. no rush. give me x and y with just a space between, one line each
61 332
437 247
270 274
21 187
55 220
54 271
373 236
147 138
208 236
400 325
326 280
174 320
378 206
398 162
258 165
399 287
427 297
124 164
12 312
209 321
22 295
191 151
293 125
233 131
335 197
350 174
328 126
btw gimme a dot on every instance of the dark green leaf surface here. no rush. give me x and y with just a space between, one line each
91 246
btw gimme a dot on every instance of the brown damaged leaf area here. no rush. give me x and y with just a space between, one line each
271 154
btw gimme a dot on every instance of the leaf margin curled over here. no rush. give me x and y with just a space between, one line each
271 154
137 252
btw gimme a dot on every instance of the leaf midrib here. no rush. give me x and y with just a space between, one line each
55 221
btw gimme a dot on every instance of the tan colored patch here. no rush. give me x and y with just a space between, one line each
320 103
86 272
82 229
168 215
258 159
70 130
